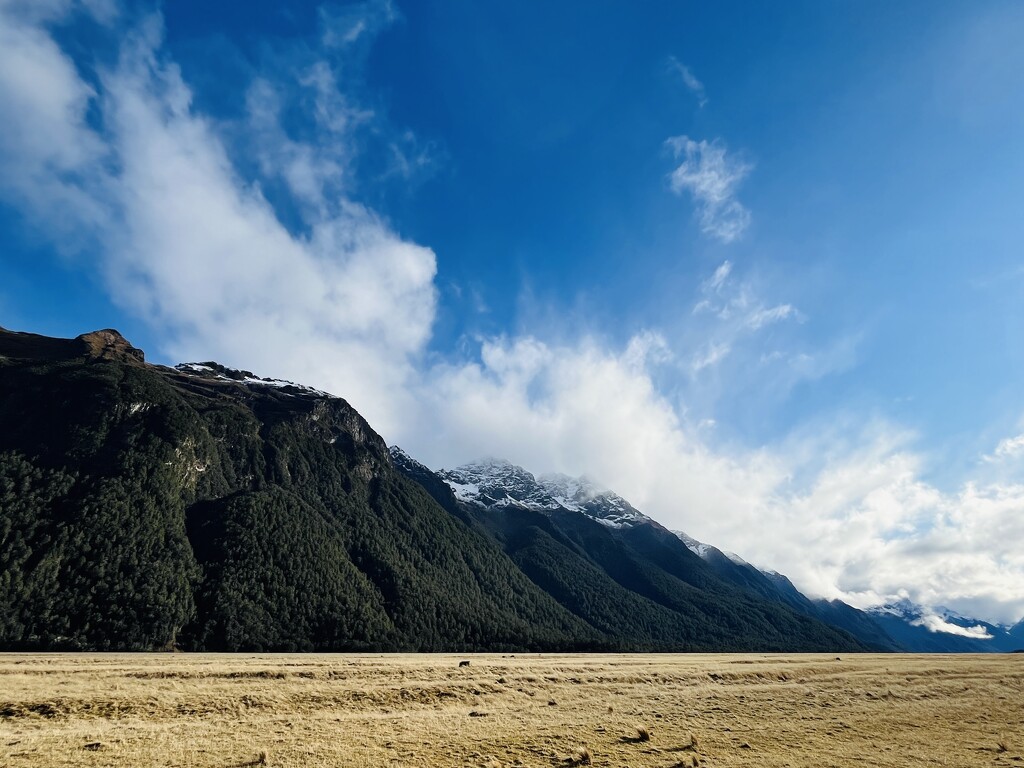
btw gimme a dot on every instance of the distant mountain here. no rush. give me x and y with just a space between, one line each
776 587
941 630
613 566
497 485
901 626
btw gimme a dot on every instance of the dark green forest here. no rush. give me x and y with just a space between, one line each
144 507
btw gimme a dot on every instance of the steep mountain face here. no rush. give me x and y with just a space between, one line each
614 567
145 507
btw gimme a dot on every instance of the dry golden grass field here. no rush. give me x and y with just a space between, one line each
503 710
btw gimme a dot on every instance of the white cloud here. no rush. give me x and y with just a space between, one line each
708 356
1008 448
717 280
934 623
729 314
711 177
410 159
769 315
690 80
355 23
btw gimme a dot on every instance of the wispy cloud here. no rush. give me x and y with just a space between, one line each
355 23
711 176
727 299
690 80
1008 448
717 280
711 354
763 317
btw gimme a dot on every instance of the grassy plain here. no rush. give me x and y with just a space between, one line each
305 711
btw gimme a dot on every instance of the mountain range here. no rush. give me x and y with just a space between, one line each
203 508
490 488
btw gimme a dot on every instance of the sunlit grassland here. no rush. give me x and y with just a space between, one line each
521 710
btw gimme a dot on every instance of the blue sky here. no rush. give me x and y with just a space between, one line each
758 267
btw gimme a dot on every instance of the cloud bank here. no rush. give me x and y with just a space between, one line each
150 195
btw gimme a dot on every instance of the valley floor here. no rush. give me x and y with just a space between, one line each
522 710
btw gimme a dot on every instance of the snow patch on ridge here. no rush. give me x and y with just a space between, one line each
220 373
699 548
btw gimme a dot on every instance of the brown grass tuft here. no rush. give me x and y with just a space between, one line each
1003 745
642 734
582 757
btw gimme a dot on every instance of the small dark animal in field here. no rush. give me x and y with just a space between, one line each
463 663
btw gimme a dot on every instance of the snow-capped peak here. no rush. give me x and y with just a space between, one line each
496 482
403 459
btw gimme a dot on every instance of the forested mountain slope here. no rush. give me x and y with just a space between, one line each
147 507
615 567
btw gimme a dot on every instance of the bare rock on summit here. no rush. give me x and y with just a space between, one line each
106 344
109 344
